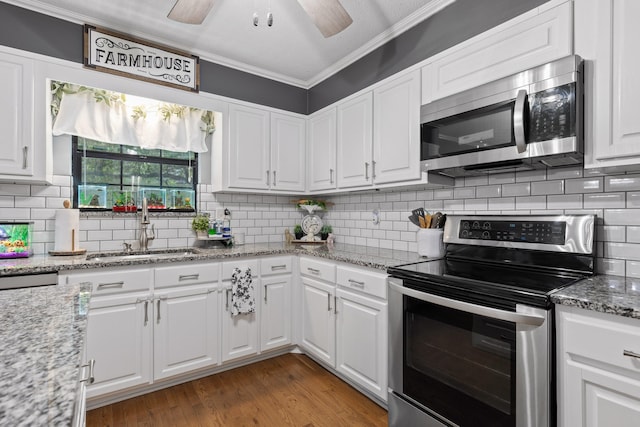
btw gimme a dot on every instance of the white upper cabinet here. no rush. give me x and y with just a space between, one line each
531 39
355 141
321 161
16 117
266 150
607 34
249 165
287 153
396 124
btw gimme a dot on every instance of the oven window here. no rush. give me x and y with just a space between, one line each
460 365
477 130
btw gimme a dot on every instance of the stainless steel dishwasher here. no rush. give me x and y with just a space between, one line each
28 280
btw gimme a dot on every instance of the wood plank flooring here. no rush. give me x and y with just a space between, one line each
289 390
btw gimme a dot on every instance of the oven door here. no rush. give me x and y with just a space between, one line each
453 363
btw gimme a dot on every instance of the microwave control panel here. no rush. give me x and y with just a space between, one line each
546 232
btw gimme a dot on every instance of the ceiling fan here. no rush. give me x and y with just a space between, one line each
328 15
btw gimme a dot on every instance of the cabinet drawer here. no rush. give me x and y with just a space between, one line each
603 337
318 269
364 281
187 274
116 281
242 264
279 265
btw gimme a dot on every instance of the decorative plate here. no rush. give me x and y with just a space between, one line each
311 224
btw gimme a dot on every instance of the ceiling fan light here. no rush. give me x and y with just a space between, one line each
190 11
327 15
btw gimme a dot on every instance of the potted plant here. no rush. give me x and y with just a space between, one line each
324 231
124 202
200 225
297 231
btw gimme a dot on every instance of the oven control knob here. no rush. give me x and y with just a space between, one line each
486 226
476 225
464 233
486 235
465 225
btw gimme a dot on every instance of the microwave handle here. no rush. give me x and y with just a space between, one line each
518 120
494 313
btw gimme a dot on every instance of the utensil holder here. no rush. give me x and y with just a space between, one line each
430 242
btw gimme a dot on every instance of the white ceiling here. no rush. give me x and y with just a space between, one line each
292 50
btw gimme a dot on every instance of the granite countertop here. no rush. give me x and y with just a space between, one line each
606 294
358 255
42 332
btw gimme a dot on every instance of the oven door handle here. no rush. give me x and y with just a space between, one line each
494 313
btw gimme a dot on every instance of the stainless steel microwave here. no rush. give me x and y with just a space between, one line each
530 120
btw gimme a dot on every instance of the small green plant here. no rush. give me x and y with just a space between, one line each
297 231
200 223
312 202
326 229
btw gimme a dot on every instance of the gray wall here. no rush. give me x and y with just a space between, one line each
31 31
454 24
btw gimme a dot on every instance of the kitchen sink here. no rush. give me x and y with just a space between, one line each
123 256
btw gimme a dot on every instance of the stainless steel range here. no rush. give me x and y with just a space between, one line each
471 335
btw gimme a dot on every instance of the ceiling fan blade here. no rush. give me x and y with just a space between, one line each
328 15
190 11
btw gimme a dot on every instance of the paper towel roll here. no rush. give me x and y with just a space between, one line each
67 228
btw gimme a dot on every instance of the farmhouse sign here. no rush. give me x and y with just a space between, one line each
127 56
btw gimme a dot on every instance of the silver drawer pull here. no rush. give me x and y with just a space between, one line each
111 285
146 312
313 270
356 283
188 277
25 155
328 302
226 305
265 293
631 354
91 378
278 267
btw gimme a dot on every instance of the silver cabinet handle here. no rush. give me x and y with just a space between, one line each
356 283
335 304
278 267
25 152
226 306
274 178
518 120
330 176
631 354
265 294
313 270
366 171
268 179
146 312
494 313
328 302
188 277
111 285
158 314
373 169
91 377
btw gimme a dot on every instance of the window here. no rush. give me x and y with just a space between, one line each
110 176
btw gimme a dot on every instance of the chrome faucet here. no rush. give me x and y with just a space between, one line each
145 235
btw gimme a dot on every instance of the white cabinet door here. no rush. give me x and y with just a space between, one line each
616 87
361 335
321 140
248 147
515 46
355 141
319 320
610 400
396 136
16 116
287 153
185 330
119 339
275 316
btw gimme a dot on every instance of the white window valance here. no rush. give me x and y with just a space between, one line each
123 119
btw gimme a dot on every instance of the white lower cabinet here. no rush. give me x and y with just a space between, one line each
362 341
275 306
319 320
185 330
239 332
598 369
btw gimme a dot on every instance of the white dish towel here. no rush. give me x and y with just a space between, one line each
243 299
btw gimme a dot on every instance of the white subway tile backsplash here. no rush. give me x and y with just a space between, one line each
464 193
17 213
534 175
629 251
453 205
30 202
622 183
475 181
7 201
489 191
478 205
523 189
15 190
564 173
531 202
604 200
565 201
444 194
584 185
633 234
502 178
622 216
610 266
633 199
547 187
611 233
502 204
633 270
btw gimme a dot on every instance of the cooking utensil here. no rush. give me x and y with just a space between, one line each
414 220
423 223
418 212
435 219
441 221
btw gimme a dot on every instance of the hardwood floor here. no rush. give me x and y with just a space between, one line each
289 390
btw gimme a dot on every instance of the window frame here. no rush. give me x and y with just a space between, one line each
76 170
